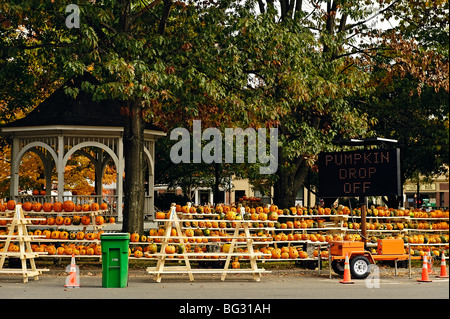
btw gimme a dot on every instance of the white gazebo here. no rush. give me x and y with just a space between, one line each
62 126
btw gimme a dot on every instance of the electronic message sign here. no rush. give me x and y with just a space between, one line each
360 173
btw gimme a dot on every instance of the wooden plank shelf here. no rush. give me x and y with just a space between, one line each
234 240
17 232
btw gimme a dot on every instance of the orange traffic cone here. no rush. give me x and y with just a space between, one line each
72 279
424 271
347 276
443 267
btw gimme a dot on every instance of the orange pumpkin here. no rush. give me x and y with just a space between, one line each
276 253
50 221
138 253
63 235
170 249
55 234
78 208
86 207
57 206
160 215
99 220
85 220
103 206
47 207
37 207
134 237
67 221
189 232
59 220
68 206
11 204
27 206
95 207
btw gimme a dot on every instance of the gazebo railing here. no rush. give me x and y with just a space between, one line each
111 200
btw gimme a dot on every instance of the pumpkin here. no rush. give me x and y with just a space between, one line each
85 220
76 220
51 250
78 208
134 237
235 264
72 236
50 221
262 216
59 220
99 220
68 206
231 215
160 215
67 221
170 249
138 253
152 248
103 206
85 207
47 207
47 233
293 253
11 204
273 216
37 207
43 221
276 253
27 206
89 236
112 220
95 207
189 232
55 234
57 206
63 235
98 250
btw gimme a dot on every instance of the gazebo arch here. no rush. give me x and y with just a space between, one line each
62 126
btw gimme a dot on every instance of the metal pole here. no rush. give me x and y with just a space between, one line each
363 221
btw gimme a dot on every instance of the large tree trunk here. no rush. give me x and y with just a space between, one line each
290 180
134 193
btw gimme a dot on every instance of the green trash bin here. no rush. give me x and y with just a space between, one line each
115 259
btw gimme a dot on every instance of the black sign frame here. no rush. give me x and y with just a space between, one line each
360 173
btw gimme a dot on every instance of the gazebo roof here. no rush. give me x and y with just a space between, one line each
61 109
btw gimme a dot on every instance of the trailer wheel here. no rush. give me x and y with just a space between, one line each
360 267
338 267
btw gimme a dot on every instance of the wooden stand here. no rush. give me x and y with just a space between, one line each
174 223
17 232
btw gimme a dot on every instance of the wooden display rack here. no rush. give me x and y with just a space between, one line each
17 232
174 222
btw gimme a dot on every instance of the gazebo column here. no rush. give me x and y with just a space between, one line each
15 161
60 167
120 170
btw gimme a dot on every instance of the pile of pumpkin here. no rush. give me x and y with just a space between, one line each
69 249
66 206
74 220
66 235
290 252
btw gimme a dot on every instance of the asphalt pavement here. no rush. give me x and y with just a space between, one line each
279 284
